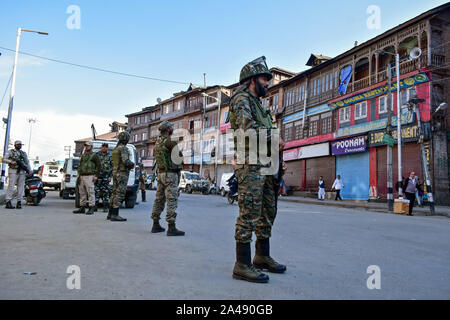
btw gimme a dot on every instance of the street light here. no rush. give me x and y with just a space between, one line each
11 99
218 131
30 121
399 122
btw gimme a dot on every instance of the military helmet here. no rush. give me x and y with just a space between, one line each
88 143
257 67
164 125
124 136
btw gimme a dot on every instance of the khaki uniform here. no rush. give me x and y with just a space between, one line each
88 168
16 176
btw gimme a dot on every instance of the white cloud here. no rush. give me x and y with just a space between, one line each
52 131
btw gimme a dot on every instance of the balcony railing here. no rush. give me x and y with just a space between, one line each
406 66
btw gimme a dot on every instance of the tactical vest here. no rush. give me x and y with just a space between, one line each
87 166
163 156
17 155
118 164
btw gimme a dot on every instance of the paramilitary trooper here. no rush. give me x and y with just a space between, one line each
257 197
121 171
18 164
102 186
168 179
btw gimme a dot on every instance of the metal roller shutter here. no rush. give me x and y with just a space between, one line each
293 174
316 167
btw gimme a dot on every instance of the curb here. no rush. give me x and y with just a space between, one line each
357 206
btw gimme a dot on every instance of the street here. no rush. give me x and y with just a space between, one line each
327 252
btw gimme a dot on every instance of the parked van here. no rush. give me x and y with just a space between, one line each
69 178
51 175
191 181
133 182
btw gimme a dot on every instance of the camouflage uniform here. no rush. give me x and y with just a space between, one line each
121 171
168 179
102 186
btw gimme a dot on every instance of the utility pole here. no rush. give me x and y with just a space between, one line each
390 107
399 126
68 149
414 104
30 121
201 132
11 100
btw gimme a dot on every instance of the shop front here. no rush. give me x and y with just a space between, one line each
352 164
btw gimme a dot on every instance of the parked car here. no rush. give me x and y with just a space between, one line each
51 175
224 187
69 179
133 182
191 181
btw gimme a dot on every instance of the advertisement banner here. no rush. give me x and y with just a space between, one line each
350 145
410 133
405 83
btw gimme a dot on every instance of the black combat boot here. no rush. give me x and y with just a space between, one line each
105 206
109 213
263 260
157 227
115 215
143 196
9 205
243 269
173 231
90 211
95 208
81 210
19 205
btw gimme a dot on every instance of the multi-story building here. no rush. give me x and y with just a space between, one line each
329 130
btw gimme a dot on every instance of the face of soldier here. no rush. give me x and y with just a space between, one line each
88 148
18 146
104 149
261 86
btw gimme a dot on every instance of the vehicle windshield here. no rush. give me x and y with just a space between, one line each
52 168
75 163
192 176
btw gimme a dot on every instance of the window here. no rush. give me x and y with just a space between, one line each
298 130
344 115
288 131
135 137
382 104
144 136
313 125
361 110
326 122
330 80
143 153
336 79
406 95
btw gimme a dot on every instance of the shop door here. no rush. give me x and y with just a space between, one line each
354 172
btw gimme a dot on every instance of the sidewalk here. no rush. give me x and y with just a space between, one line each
372 206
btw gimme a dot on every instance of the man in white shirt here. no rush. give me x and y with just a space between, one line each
338 185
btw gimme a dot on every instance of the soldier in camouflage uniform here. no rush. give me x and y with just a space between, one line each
121 171
18 163
168 179
102 187
257 197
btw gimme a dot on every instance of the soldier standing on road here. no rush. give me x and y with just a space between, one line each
18 164
142 182
257 198
121 171
102 186
88 172
168 179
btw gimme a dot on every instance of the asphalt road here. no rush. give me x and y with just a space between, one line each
327 251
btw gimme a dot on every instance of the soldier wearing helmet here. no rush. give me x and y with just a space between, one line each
121 171
18 164
257 198
168 179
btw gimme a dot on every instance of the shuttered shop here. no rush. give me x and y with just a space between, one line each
316 167
293 174
411 161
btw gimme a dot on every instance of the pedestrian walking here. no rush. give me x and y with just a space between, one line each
18 166
338 185
121 172
102 185
321 189
410 186
419 193
168 179
257 196
88 173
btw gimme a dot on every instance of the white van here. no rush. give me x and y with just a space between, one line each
224 187
51 175
191 181
133 182
69 178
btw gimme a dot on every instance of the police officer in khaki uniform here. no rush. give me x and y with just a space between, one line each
88 172
19 165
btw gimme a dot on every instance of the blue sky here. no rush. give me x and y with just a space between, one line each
176 40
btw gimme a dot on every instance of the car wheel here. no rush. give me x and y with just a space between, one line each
129 204
230 199
188 188
65 194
